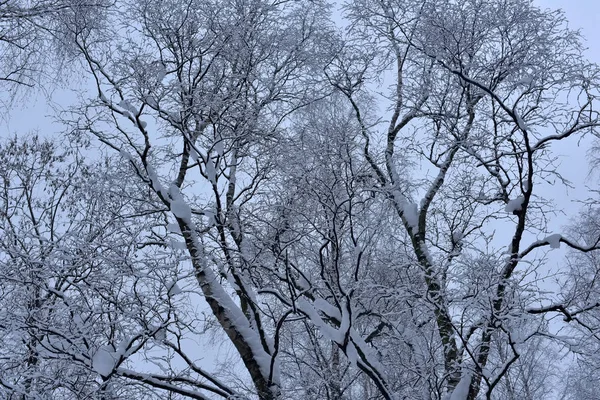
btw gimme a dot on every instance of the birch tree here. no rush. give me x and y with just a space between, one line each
358 210
81 295
193 101
34 44
482 89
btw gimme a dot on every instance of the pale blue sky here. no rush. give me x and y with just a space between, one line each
584 14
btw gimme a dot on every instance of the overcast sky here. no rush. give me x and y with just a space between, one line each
29 115
584 15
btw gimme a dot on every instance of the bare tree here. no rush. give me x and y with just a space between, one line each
35 43
481 90
197 96
81 295
348 241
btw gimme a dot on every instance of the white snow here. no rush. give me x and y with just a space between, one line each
345 323
457 236
103 361
461 391
161 72
327 330
352 354
151 101
174 289
234 286
177 244
211 172
123 348
522 125
554 241
410 211
514 205
127 106
193 154
411 214
333 334
179 207
123 153
232 313
161 334
173 228
210 215
367 351
234 223
325 307
219 148
154 179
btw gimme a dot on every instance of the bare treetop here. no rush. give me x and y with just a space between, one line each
352 213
